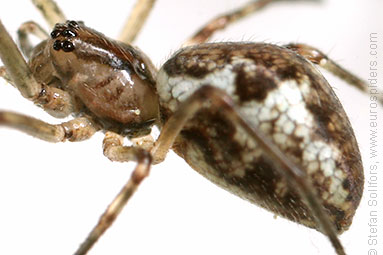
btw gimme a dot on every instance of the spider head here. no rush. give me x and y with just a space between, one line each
114 80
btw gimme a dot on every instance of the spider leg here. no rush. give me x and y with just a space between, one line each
319 58
224 20
78 129
115 151
136 20
4 75
16 66
50 10
56 102
212 97
24 30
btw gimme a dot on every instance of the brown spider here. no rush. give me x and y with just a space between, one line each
117 186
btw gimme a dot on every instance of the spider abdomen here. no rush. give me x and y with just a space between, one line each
283 95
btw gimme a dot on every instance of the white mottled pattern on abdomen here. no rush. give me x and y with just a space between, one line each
285 106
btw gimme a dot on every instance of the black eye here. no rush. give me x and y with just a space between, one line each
140 69
72 24
57 45
58 26
69 33
67 46
55 34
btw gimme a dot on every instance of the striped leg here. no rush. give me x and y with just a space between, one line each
115 151
75 130
224 20
319 58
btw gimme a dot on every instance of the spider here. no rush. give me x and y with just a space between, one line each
116 185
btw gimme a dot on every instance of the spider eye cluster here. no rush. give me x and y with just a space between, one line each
66 46
67 30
